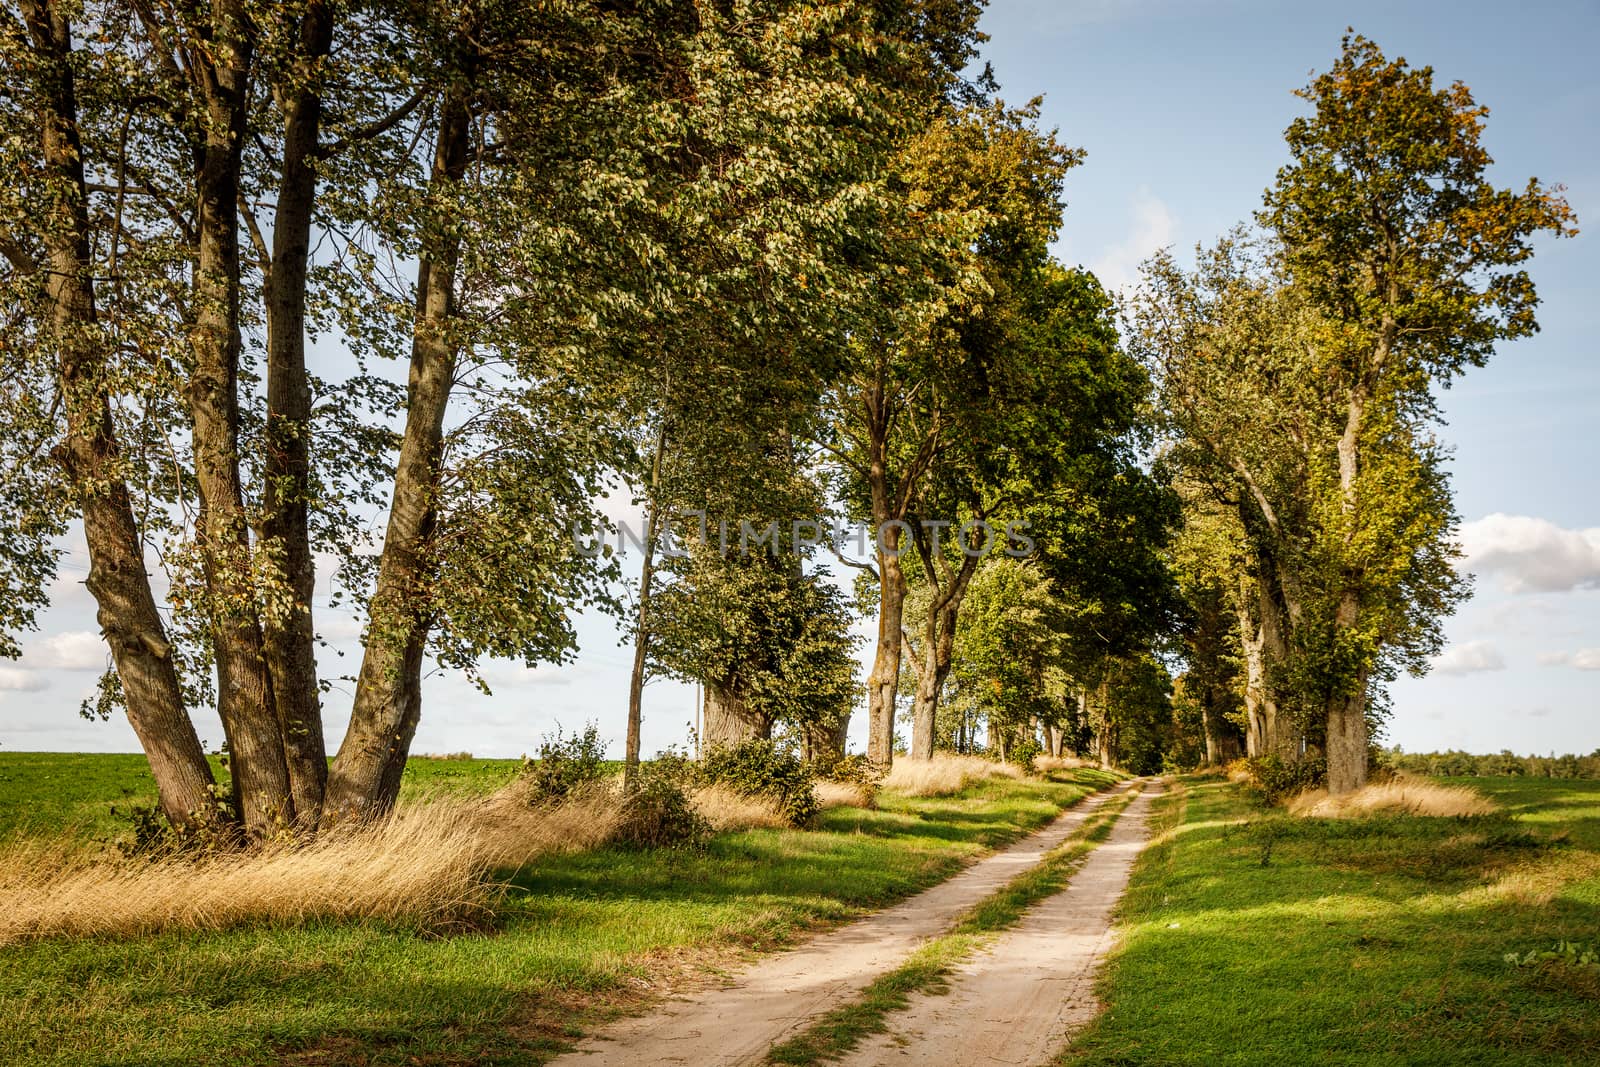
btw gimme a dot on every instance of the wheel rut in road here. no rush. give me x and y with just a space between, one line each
1019 1000
780 996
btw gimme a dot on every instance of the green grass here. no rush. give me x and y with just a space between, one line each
576 937
928 969
1253 938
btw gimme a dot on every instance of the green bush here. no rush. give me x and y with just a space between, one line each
564 765
658 812
1023 750
1277 779
764 769
856 770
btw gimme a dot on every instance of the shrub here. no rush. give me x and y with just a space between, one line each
659 811
1023 751
564 765
764 769
1277 779
847 780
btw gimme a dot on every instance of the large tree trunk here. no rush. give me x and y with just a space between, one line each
1106 735
388 704
288 637
938 652
127 611
1347 721
244 695
823 742
884 682
729 720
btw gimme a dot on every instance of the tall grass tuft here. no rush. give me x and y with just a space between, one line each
427 867
728 809
1046 764
944 774
1402 794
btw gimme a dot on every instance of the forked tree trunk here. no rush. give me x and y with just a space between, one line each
126 608
288 637
244 693
938 652
365 779
884 682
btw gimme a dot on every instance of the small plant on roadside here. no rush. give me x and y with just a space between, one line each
1567 953
764 769
855 770
658 810
1277 779
564 765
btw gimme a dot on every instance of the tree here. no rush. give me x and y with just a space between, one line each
980 193
1390 225
542 167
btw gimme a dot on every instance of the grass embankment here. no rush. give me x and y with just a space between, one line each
573 938
1256 937
928 969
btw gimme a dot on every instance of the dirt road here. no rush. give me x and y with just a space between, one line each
1019 1001
778 997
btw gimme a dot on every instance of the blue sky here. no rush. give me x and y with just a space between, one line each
1181 105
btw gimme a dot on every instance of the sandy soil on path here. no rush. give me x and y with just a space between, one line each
1019 1001
778 997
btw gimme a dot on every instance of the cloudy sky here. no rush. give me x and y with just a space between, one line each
1181 105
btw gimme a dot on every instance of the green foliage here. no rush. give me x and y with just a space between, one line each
564 765
659 812
1276 779
1567 953
1506 763
761 627
855 769
765 769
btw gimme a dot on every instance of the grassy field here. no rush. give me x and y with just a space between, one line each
89 793
576 937
1254 938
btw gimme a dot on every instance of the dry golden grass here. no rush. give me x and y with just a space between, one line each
831 794
1046 764
1401 794
427 867
944 775
725 809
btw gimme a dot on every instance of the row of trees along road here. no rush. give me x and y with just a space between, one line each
1298 369
757 261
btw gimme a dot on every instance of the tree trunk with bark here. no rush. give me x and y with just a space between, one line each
729 719
126 608
288 637
244 693
938 643
884 682
388 704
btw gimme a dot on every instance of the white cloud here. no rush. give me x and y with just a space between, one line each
1585 659
1470 658
22 680
74 650
1531 554
1153 227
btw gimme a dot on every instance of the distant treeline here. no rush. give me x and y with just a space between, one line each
1455 764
